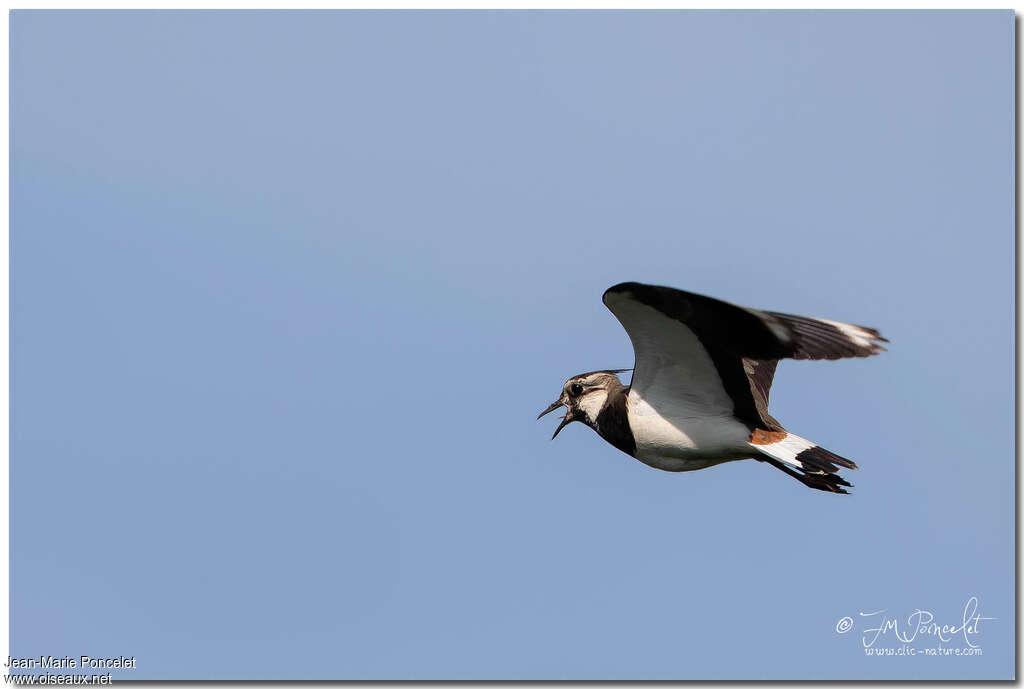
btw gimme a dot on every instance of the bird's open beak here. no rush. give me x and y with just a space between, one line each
554 405
566 420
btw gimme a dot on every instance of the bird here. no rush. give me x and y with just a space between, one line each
698 395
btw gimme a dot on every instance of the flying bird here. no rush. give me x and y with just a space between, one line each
699 392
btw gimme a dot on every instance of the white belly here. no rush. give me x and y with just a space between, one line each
678 440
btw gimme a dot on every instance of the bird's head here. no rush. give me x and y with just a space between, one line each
583 396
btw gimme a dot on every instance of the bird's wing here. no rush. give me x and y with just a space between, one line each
691 349
819 338
760 373
683 367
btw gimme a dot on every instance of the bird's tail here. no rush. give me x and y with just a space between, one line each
808 463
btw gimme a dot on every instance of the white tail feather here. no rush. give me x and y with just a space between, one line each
785 450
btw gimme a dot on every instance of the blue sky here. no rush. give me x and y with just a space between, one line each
288 290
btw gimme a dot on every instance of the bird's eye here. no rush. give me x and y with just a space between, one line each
575 389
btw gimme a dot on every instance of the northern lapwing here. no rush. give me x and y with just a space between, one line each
699 392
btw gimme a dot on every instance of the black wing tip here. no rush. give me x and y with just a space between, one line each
625 286
622 288
640 288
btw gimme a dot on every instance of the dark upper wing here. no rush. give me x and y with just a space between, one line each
724 334
760 373
819 338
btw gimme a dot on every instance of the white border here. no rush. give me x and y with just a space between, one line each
312 4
